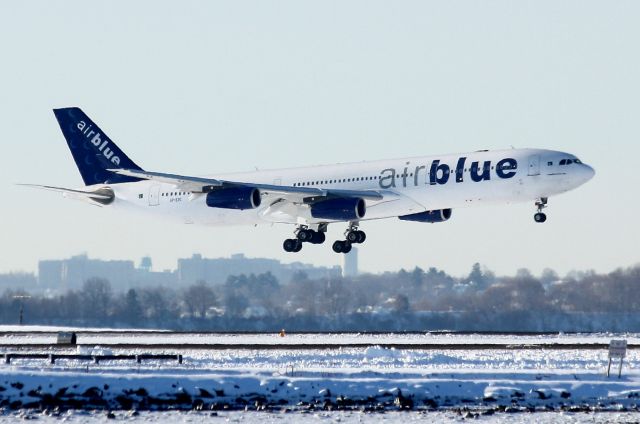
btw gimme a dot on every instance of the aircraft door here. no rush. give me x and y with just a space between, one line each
534 165
154 195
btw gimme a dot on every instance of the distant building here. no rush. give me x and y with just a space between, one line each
17 281
350 263
72 273
66 274
50 274
145 278
217 270
145 264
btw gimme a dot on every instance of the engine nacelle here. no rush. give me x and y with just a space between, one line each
340 209
234 198
439 215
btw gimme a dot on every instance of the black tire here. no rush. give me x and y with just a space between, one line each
298 246
353 237
362 236
305 235
338 246
540 217
346 248
289 245
318 237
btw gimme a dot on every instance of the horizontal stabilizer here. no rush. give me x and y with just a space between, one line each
101 196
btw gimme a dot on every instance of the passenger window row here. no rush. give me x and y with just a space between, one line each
343 180
349 180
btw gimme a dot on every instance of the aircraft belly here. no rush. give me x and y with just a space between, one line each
283 212
397 206
219 217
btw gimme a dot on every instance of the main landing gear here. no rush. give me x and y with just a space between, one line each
540 216
352 236
304 235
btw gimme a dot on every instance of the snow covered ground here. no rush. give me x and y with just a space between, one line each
13 335
331 384
320 417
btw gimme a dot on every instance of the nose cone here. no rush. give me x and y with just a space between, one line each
586 173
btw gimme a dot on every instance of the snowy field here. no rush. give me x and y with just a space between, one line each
42 335
348 384
73 417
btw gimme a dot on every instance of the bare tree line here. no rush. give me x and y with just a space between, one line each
415 300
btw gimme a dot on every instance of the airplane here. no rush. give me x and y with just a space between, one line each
419 189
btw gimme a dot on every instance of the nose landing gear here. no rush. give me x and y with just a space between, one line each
540 216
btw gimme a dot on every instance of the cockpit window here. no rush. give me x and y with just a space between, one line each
569 161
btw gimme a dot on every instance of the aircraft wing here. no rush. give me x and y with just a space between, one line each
202 185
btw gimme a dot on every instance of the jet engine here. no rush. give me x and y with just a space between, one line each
439 215
339 209
234 198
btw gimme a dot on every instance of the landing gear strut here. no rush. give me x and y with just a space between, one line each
305 235
540 216
352 236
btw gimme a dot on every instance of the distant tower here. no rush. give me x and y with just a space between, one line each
145 264
350 263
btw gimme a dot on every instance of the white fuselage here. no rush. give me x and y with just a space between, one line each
409 185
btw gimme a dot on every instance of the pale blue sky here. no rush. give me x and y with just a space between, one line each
198 87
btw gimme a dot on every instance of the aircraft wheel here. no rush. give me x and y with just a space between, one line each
338 246
362 236
540 217
298 246
318 237
346 247
305 235
353 236
290 245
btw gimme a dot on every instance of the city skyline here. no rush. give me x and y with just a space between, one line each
145 263
61 275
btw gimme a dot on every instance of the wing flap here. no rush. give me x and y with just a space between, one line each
196 184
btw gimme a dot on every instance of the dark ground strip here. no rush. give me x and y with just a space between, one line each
324 346
258 333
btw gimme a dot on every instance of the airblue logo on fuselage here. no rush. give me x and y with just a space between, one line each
439 173
99 141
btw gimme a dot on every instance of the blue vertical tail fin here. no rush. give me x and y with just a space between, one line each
93 152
